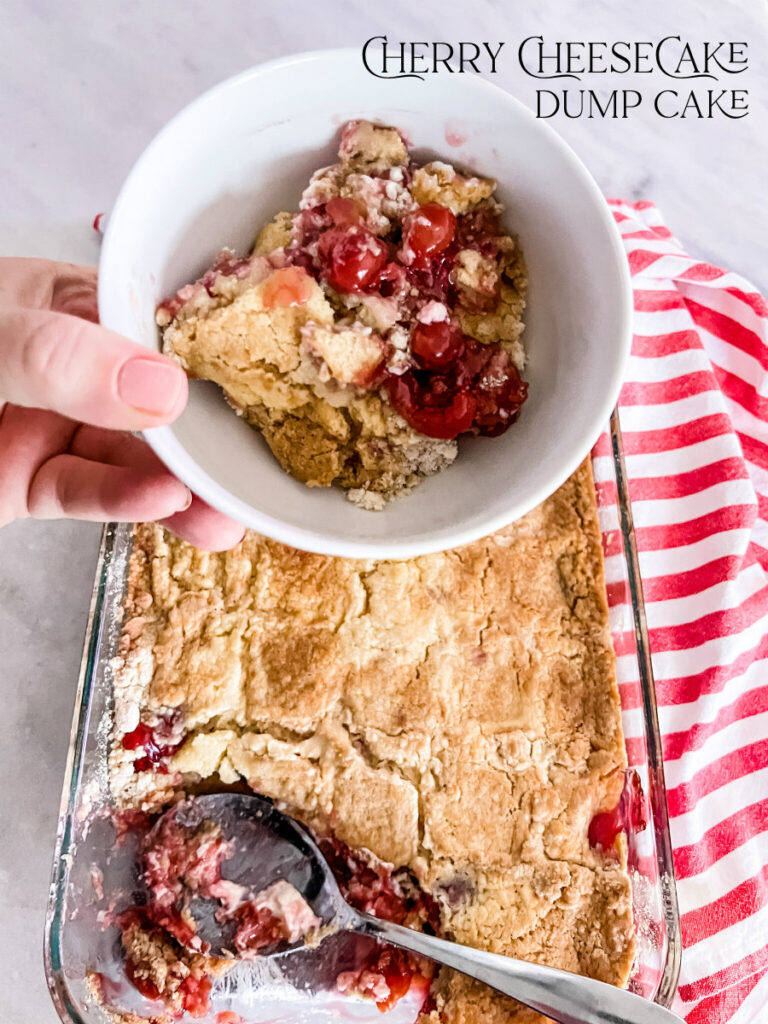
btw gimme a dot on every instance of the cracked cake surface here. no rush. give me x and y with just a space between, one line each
456 715
366 332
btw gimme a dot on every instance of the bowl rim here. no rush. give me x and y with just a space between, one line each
164 442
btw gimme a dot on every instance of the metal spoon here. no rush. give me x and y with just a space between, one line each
269 845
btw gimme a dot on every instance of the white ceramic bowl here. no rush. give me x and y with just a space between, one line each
244 150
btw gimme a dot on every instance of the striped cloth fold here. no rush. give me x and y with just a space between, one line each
694 414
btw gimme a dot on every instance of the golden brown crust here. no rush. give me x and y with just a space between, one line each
456 713
265 360
438 182
368 147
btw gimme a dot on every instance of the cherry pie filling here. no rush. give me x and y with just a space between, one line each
627 817
179 863
455 384
157 742
387 973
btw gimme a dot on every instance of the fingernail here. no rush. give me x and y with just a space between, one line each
188 501
150 385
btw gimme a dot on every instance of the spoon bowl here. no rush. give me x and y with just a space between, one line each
266 846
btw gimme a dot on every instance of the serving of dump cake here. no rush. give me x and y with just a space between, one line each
367 332
448 726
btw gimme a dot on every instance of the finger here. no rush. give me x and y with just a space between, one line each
117 447
199 524
83 371
68 486
27 439
204 527
47 284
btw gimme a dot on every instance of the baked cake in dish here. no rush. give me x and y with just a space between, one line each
448 726
366 332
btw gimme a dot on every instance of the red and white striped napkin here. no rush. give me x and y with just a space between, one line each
694 415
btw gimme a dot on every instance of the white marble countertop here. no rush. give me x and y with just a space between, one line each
83 87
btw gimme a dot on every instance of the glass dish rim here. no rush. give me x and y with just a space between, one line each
64 846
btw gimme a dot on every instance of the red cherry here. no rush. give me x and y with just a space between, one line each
479 228
352 258
154 750
344 212
447 420
196 993
373 888
429 230
391 280
143 985
436 345
146 764
496 385
396 969
142 736
257 927
629 815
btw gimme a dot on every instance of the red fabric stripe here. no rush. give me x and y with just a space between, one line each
754 300
659 538
606 492
636 752
657 301
728 330
624 643
719 1008
654 346
741 392
754 450
685 584
720 623
685 689
735 765
760 553
663 391
690 482
641 259
743 901
753 702
726 835
612 543
668 438
613 201
630 695
663 588
754 963
618 593
701 272
603 446
649 233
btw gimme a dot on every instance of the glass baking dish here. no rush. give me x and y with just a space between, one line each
76 942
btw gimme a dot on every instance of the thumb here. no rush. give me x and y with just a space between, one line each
85 372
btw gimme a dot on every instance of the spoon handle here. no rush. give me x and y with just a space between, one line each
565 997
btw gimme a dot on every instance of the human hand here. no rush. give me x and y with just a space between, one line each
70 391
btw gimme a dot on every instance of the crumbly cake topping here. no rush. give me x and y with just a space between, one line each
455 714
325 337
